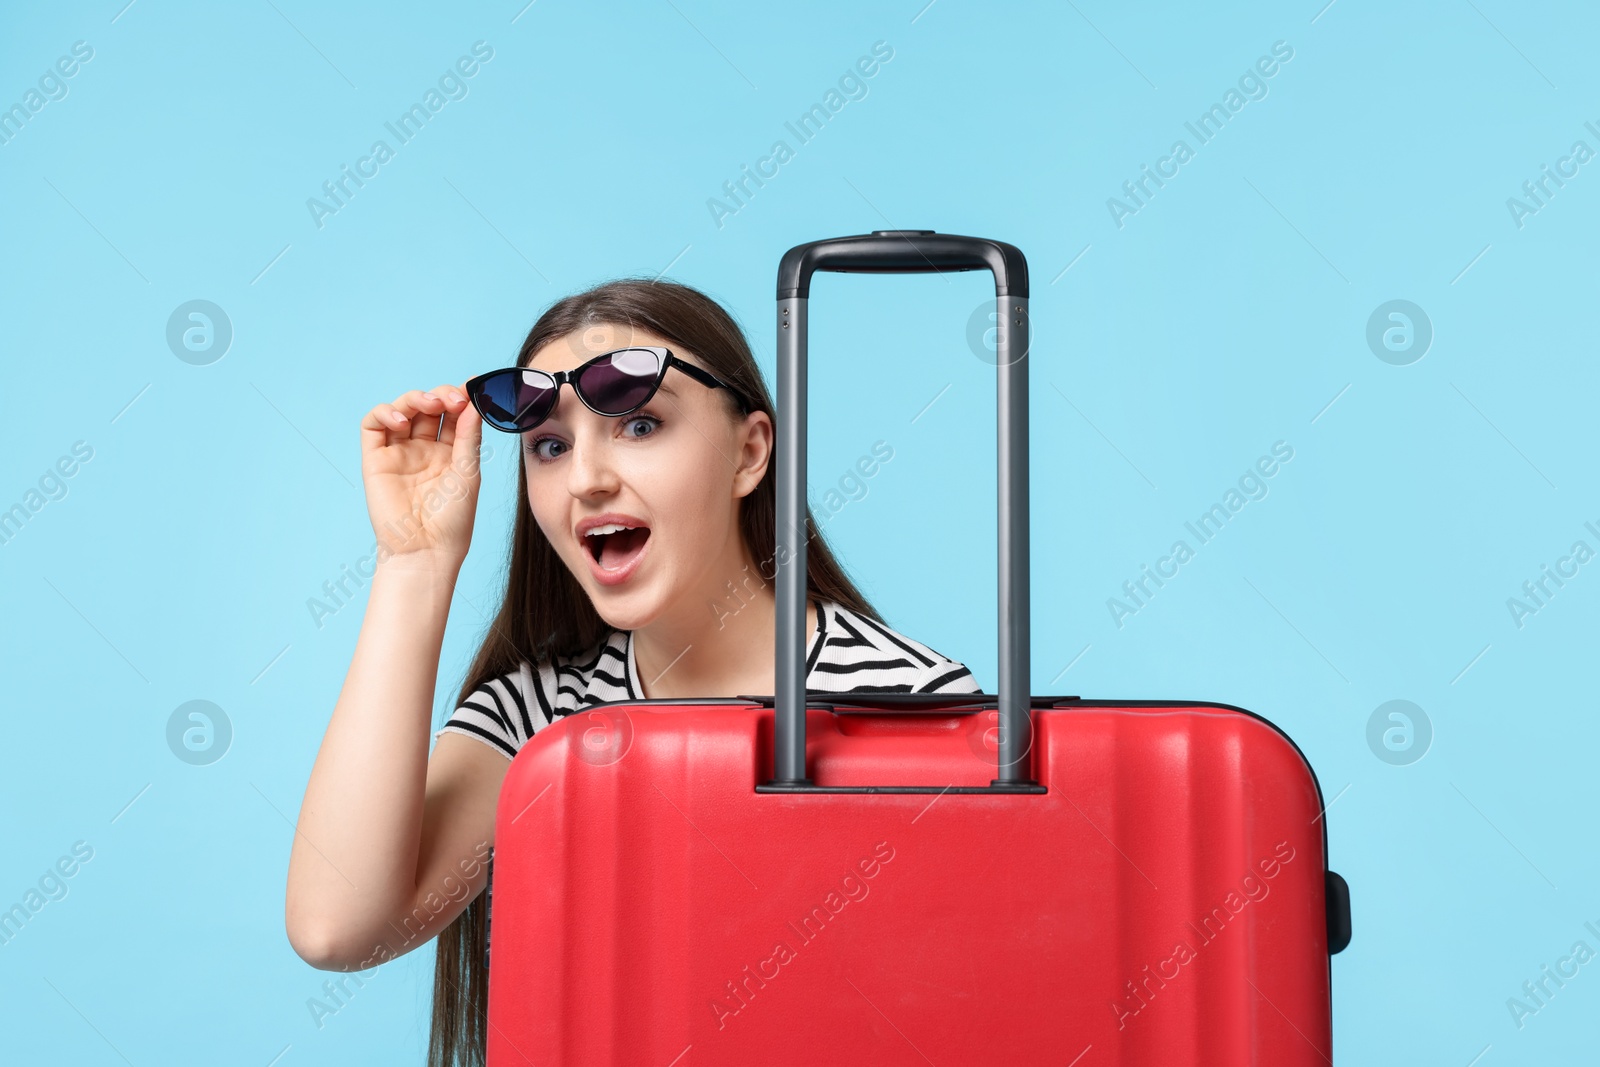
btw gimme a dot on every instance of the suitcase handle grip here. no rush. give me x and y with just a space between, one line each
903 252
910 252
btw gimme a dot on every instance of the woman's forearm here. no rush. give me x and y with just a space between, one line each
354 859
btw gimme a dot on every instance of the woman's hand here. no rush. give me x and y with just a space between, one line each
419 462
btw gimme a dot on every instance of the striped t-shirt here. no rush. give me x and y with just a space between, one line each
849 652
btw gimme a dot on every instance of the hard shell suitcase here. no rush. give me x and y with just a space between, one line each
812 878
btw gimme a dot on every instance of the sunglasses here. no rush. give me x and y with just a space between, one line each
516 399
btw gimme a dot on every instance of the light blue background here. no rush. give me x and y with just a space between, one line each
1228 314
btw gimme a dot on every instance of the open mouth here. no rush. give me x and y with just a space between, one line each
614 547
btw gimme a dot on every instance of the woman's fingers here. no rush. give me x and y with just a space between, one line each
465 434
414 414
399 416
427 410
452 399
381 425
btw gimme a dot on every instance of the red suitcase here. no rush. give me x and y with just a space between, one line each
900 879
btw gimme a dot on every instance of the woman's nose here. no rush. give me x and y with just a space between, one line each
592 468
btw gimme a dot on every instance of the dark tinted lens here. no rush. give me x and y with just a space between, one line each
515 400
621 383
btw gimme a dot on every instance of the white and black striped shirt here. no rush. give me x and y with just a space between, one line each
849 652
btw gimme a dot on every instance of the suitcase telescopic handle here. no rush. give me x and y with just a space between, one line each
903 252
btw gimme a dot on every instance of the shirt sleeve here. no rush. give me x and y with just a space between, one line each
947 677
498 713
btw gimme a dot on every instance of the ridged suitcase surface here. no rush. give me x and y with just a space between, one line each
1161 903
810 878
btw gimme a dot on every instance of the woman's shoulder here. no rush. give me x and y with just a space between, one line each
861 652
585 676
508 708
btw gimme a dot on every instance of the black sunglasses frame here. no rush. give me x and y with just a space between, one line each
475 386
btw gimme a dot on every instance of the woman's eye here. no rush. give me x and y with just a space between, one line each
651 420
533 448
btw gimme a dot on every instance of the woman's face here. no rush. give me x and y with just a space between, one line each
677 467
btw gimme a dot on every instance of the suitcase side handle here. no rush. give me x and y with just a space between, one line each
1338 900
907 252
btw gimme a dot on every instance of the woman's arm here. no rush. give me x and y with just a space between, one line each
380 829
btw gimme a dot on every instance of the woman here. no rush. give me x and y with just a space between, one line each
640 565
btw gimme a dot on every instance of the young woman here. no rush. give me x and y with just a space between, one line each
640 564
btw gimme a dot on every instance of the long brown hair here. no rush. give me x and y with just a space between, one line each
545 611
